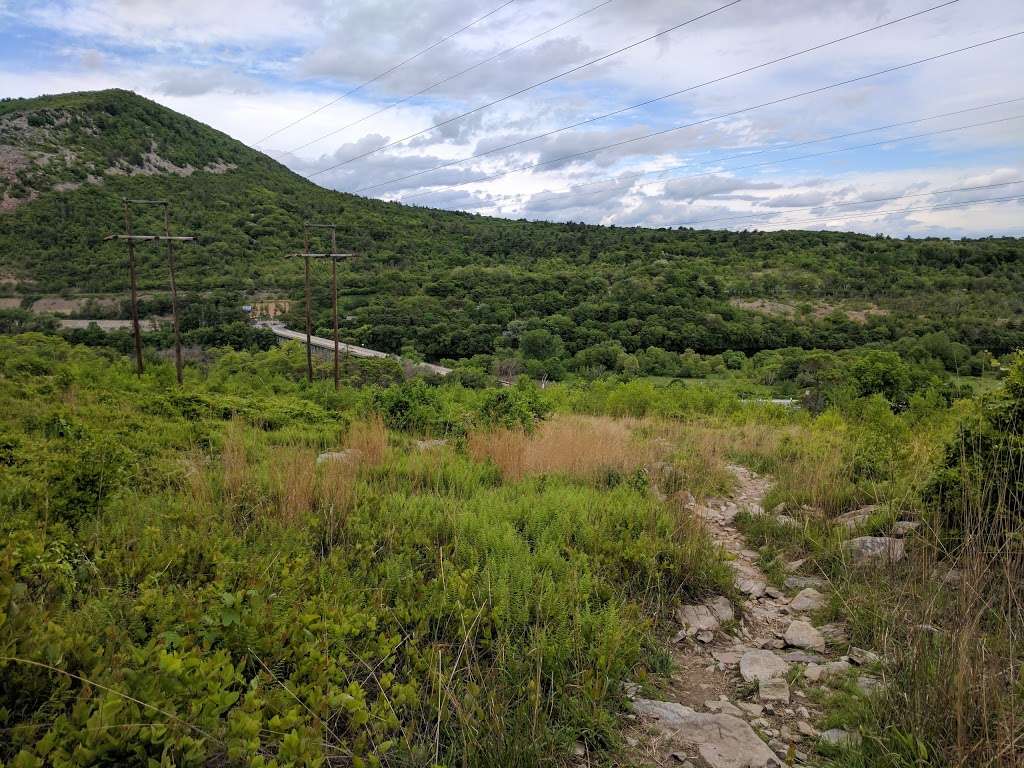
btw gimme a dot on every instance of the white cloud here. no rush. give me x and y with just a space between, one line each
249 73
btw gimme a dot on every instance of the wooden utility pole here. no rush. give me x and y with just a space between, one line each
333 256
131 239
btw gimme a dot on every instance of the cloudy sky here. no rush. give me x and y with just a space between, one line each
315 84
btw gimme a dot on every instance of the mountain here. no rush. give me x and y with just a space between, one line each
454 285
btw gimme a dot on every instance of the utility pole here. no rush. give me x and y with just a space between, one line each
131 239
333 256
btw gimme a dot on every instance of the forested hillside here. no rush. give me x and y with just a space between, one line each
454 285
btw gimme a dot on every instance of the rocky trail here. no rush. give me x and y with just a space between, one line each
740 695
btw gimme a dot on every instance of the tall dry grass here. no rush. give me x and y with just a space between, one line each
197 485
369 438
292 472
586 447
234 461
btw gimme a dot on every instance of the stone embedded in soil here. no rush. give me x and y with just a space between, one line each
348 455
800 634
697 618
722 609
861 657
753 587
762 665
808 599
802 582
723 741
817 672
728 658
837 737
834 633
866 549
724 706
751 709
806 729
904 527
774 689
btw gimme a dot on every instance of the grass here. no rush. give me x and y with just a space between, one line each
395 607
583 447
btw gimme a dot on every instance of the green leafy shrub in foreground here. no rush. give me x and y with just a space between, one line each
150 613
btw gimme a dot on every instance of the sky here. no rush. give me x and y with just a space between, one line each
332 88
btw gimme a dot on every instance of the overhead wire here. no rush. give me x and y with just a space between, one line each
387 72
521 91
454 76
849 203
883 142
943 206
722 116
648 102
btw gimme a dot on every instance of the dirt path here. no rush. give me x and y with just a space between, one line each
738 695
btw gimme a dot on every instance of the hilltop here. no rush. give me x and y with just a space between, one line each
454 285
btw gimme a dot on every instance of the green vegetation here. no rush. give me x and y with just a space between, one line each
475 572
948 619
558 297
183 582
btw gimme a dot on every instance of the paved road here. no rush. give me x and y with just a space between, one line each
321 343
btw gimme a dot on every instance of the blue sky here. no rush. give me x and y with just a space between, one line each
251 72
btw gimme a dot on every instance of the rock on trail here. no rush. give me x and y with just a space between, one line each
722 741
730 703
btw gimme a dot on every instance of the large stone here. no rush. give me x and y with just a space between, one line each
753 587
808 599
775 689
861 657
697 618
762 665
800 634
723 741
721 609
866 549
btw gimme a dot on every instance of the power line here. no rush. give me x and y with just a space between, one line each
629 179
527 88
388 71
805 156
733 113
857 202
458 74
942 206
648 102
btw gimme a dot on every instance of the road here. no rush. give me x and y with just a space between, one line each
321 343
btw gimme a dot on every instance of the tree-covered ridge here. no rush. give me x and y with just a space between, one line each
59 142
456 285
